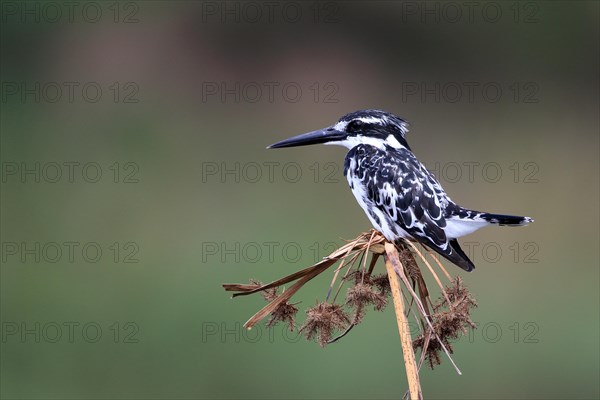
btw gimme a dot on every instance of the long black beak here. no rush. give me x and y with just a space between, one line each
316 137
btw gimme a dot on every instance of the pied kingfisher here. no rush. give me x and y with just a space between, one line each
401 198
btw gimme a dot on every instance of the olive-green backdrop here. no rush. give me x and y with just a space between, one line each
135 181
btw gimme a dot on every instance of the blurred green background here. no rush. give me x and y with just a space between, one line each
138 130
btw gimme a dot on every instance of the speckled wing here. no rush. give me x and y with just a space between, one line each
408 197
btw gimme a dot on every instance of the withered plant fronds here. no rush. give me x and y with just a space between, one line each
364 243
285 312
439 323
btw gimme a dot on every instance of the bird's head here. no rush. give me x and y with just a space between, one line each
375 127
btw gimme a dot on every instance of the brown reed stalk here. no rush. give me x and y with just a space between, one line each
412 373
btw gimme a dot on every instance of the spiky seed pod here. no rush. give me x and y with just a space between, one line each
362 294
322 320
285 312
382 283
450 321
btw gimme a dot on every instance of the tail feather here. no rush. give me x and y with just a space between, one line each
454 254
508 220
464 221
458 256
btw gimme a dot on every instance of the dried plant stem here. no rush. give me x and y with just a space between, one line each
364 268
337 271
435 276
412 373
400 271
374 259
440 265
424 351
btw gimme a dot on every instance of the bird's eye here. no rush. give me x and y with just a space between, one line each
355 125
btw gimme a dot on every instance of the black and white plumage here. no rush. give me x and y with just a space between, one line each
401 198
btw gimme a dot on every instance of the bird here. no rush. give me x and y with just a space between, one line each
400 196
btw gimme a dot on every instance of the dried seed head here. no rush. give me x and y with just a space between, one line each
285 312
407 259
450 321
362 294
382 282
322 320
268 294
